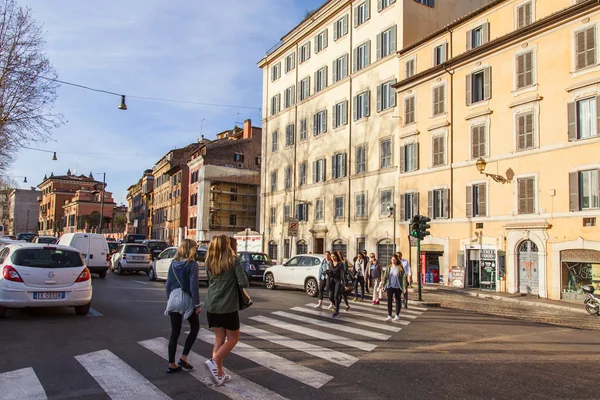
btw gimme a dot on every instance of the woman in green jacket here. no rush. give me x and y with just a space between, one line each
225 273
394 281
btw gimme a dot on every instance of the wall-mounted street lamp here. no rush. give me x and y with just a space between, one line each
481 164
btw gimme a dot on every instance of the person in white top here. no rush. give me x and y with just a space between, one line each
408 271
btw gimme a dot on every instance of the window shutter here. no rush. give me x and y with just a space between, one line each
354 59
574 191
299 84
334 76
407 69
436 99
430 213
442 99
469 203
469 40
326 38
580 49
368 103
572 117
402 207
403 159
598 115
415 204
520 17
436 150
521 71
345 113
522 198
393 94
343 164
355 108
485 32
368 10
444 52
292 95
345 25
591 46
415 161
315 124
335 116
378 53
345 67
293 61
379 5
446 203
315 82
334 167
335 31
324 170
314 171
482 200
324 122
326 72
279 70
379 98
487 83
393 38
468 89
368 53
355 17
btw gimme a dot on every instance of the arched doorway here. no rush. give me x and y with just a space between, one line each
385 250
340 246
529 271
301 247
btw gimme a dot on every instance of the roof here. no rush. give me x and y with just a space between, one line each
74 178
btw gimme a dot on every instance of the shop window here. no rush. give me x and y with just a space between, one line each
579 267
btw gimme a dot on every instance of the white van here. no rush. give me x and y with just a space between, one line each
93 244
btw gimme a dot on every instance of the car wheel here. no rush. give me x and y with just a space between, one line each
151 275
82 310
102 274
119 270
311 288
2 312
269 281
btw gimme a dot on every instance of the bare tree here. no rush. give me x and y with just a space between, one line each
27 88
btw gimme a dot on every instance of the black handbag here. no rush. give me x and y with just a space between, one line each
244 298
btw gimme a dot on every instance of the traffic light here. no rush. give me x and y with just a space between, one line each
416 226
423 226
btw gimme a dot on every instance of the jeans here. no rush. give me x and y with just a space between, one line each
322 286
394 293
176 322
361 280
337 294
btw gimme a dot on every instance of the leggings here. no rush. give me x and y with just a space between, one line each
338 289
322 286
176 322
394 292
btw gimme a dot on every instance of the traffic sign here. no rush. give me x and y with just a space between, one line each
293 227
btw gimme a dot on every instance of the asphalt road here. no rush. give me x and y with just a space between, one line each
117 352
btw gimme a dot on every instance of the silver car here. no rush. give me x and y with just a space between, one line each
162 263
131 257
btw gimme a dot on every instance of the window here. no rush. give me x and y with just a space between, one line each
525 70
274 137
304 52
478 142
302 212
321 41
304 90
409 68
340 115
583 118
339 245
303 129
338 165
232 219
301 247
386 96
584 190
361 105
286 212
386 153
386 42
409 157
585 48
340 27
438 156
289 134
273 181
319 210
233 196
302 172
258 160
290 62
525 135
275 103
273 216
319 170
476 201
383 4
338 207
361 159
361 205
439 100
524 15
361 244
478 36
362 13
409 206
429 3
273 250
439 54
340 68
237 157
437 203
287 177
286 248
409 110
276 71
320 123
479 86
526 195
385 202
320 79
362 56
289 97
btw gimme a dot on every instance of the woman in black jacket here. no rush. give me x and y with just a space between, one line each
336 279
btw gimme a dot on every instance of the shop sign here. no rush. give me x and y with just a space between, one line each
457 277
487 254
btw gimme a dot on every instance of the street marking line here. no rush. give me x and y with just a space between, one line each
21 384
330 325
274 362
238 388
322 352
93 313
371 316
141 283
382 311
119 380
324 313
314 333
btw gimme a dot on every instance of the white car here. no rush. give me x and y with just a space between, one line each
160 267
41 275
299 272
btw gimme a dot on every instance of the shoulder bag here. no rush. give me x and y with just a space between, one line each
243 297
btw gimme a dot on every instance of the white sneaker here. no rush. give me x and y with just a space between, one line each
330 307
396 318
211 366
388 319
318 306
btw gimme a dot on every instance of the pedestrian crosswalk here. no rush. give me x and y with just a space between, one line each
311 334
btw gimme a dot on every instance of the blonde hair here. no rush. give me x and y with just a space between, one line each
187 250
220 255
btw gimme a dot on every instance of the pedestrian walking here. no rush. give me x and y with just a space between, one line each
183 302
325 265
394 282
359 276
336 283
408 273
346 277
225 274
374 268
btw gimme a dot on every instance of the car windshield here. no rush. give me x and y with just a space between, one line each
260 257
157 245
47 240
47 258
136 250
112 245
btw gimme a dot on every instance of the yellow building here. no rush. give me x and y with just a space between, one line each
330 123
517 85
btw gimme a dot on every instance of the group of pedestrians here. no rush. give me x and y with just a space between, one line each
391 281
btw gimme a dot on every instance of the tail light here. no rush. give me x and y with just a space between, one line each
252 267
11 274
84 275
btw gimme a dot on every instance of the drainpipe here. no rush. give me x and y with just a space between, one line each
295 158
265 135
349 115
451 133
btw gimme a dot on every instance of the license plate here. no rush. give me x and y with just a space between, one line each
48 295
138 257
262 267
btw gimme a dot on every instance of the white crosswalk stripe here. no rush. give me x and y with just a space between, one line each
382 310
379 317
21 384
350 318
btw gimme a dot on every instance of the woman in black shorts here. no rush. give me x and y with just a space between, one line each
225 273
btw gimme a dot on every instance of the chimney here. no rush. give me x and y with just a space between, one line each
247 129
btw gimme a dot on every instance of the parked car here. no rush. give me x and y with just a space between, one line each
9 237
28 237
254 263
155 246
134 238
160 267
45 239
131 257
299 272
93 248
38 275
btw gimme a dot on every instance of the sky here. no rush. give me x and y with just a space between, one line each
189 50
